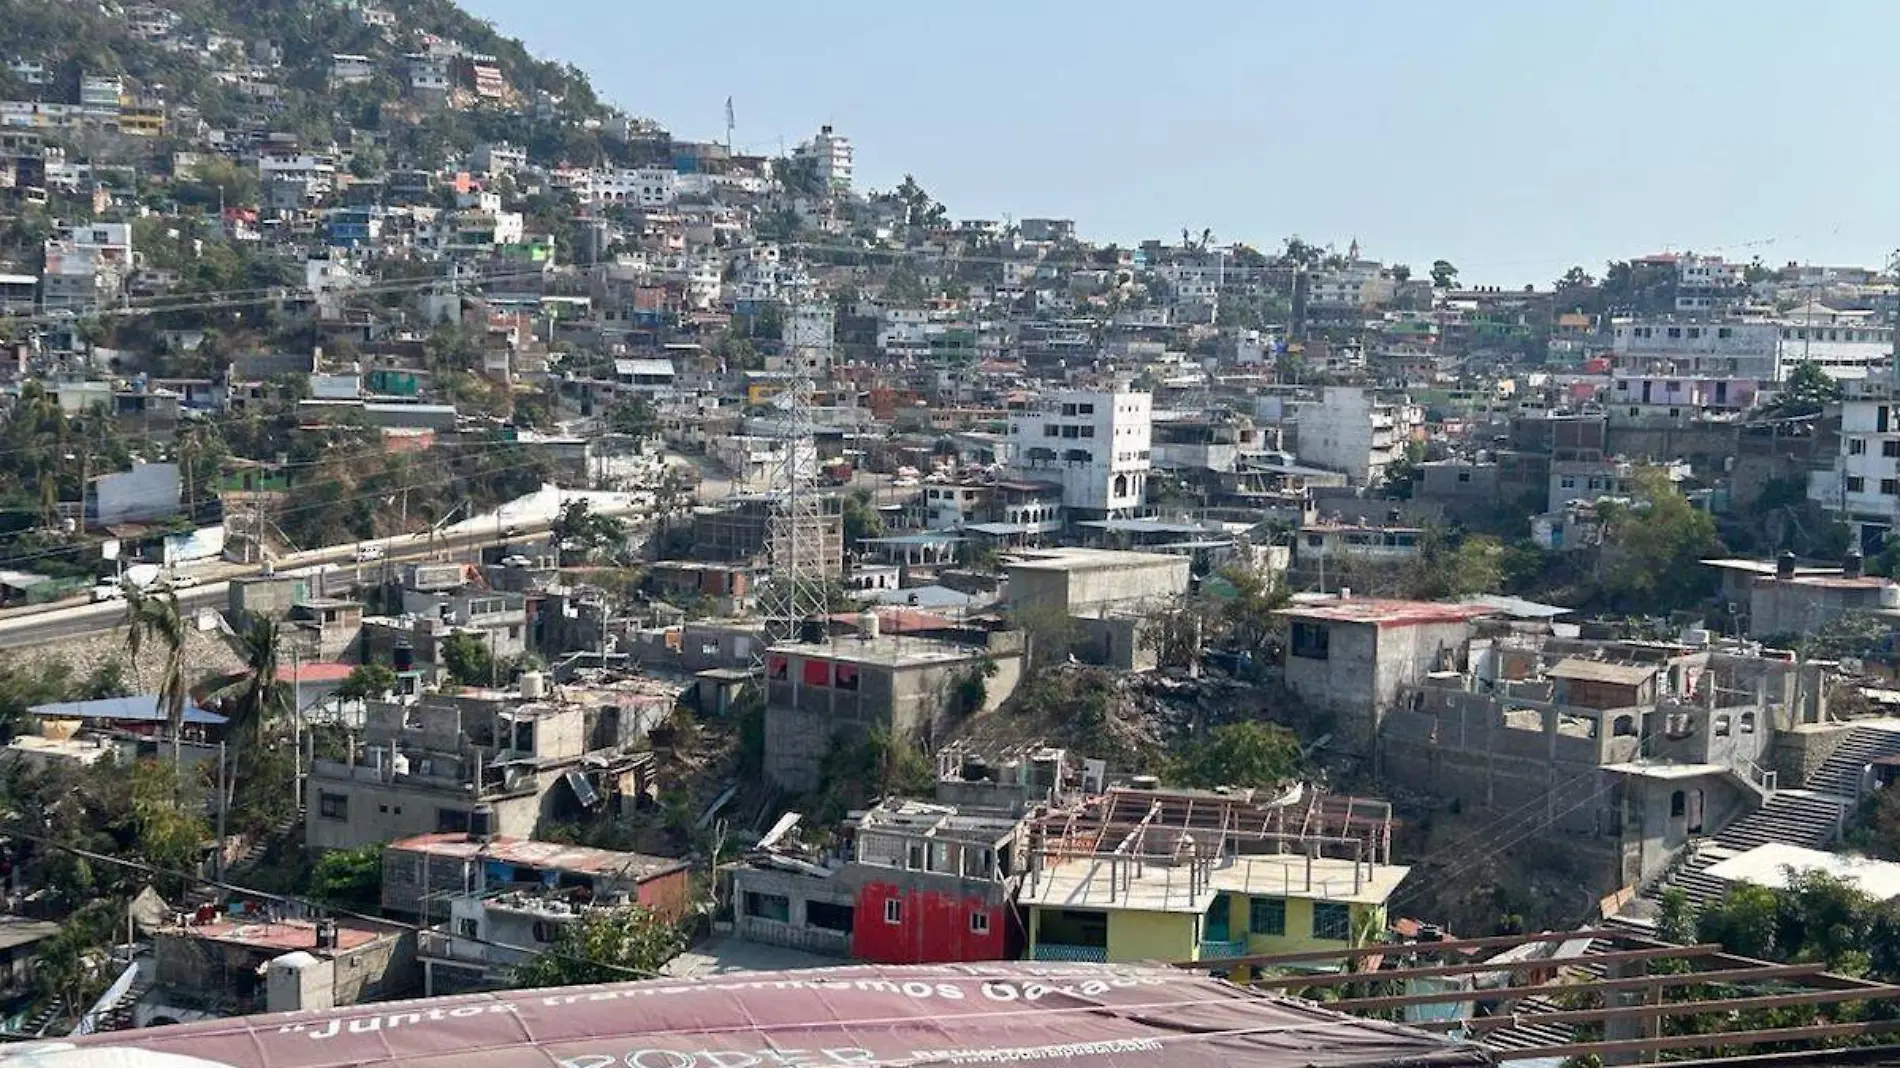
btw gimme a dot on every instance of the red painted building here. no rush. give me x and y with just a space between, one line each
919 883
902 922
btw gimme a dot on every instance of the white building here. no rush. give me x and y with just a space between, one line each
833 155
1352 429
315 174
1689 350
86 266
350 69
497 157
644 187
1095 443
1707 283
1845 344
810 328
1863 488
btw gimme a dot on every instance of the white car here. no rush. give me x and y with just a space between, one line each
366 553
107 591
180 582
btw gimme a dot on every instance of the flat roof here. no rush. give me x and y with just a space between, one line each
886 650
1768 865
16 931
282 936
1576 667
543 856
1090 559
1085 883
1385 612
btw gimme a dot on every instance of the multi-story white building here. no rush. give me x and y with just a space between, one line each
86 266
101 92
1707 283
1863 488
1359 284
348 68
810 327
1667 348
1354 430
645 187
1095 443
497 157
428 74
315 174
1845 344
833 156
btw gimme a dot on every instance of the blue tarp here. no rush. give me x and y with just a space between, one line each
142 708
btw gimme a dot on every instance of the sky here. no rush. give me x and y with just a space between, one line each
1512 137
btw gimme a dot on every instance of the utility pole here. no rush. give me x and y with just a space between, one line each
223 803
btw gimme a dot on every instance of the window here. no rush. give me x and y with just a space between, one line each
980 923
545 931
1856 446
1890 487
1568 482
1722 726
1051 430
1856 484
333 806
1085 409
1890 449
1464 476
1068 409
893 911
1310 641
1266 916
774 907
1678 803
1332 921
1088 431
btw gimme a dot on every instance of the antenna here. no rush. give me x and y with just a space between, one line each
730 123
796 588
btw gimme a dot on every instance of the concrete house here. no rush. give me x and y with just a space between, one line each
239 967
1354 656
821 688
502 900
482 762
1106 592
1145 874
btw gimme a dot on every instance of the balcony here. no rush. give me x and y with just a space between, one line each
1056 953
1217 950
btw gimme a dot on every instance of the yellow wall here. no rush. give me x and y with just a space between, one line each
1299 925
1138 936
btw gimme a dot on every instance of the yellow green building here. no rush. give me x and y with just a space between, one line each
1175 885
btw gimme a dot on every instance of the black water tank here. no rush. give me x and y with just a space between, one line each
404 657
812 631
481 824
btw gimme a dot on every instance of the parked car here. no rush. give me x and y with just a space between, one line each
107 591
365 553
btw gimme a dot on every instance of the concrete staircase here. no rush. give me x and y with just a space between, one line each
1839 774
1811 817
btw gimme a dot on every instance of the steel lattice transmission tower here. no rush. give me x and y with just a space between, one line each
796 589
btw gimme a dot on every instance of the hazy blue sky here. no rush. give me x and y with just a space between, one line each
1513 137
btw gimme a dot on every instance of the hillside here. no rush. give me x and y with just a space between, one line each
271 67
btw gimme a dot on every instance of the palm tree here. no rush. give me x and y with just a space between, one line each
262 694
151 617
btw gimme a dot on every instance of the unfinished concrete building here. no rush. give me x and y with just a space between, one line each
1633 748
745 531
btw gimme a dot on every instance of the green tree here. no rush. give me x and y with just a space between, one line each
635 417
367 681
605 946
349 878
23 686
1444 275
1745 921
1653 548
155 617
168 822
1676 917
1808 390
1243 755
1448 569
467 659
588 532
861 519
